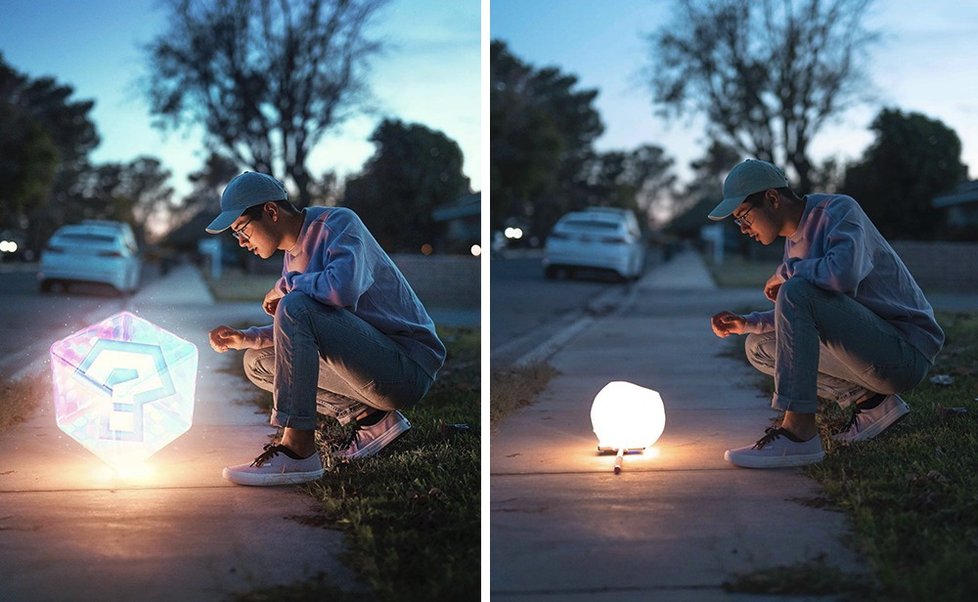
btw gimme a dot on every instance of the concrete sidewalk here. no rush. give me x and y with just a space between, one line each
678 521
70 532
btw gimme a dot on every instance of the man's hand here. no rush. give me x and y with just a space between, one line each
772 286
727 323
270 303
223 338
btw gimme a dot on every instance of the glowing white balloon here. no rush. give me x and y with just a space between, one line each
626 416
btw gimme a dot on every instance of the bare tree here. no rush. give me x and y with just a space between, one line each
266 79
766 75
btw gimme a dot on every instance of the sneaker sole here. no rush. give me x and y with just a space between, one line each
271 480
774 461
374 447
888 420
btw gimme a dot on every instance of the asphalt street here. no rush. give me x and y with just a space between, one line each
527 309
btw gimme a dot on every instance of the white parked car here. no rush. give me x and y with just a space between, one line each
601 238
93 251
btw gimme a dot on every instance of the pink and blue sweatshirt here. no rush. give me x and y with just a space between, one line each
837 248
337 262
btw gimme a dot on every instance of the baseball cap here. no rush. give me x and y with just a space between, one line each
245 190
753 175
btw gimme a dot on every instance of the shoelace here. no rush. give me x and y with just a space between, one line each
351 439
271 450
852 420
770 434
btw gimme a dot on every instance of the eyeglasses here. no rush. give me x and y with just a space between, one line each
239 234
741 220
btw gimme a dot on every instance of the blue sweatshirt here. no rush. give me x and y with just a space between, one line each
837 248
337 262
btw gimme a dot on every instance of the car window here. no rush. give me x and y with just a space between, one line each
86 238
590 224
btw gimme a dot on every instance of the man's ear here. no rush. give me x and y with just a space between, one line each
271 210
772 196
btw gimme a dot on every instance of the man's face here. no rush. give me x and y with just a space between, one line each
754 219
252 235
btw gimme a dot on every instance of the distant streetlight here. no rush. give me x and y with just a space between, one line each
513 233
476 250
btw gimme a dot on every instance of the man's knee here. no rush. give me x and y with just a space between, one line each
293 304
259 365
796 289
759 349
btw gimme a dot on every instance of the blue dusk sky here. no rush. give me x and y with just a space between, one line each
925 62
429 74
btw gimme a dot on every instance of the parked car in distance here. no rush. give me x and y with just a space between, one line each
94 251
602 238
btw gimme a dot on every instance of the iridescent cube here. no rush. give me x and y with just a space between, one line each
124 388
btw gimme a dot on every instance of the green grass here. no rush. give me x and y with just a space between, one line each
513 388
814 578
18 399
911 494
738 272
411 513
236 285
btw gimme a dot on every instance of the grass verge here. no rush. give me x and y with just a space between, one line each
19 398
912 494
738 272
411 514
236 285
813 578
513 388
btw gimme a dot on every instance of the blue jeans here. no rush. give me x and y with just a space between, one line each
328 360
826 344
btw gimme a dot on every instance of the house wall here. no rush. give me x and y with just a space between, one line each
442 280
941 266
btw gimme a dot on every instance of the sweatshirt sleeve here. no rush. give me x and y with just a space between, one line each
259 337
341 278
759 322
846 260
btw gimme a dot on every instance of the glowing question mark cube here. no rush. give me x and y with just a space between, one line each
124 388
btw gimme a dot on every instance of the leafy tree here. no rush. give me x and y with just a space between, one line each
265 79
28 162
767 75
541 133
704 191
709 172
43 134
632 179
128 192
45 139
913 159
208 183
412 171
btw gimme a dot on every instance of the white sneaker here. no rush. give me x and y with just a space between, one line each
866 424
778 448
368 440
277 465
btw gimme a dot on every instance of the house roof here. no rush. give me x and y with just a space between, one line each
966 192
469 205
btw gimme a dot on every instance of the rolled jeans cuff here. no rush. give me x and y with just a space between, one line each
786 404
284 420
